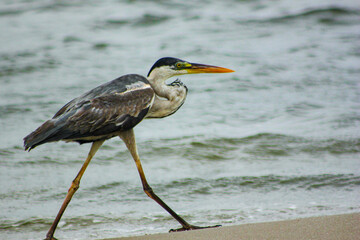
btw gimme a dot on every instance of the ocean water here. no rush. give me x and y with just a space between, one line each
278 139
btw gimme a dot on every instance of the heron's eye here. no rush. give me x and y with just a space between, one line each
178 65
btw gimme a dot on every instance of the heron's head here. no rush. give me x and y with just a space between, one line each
167 67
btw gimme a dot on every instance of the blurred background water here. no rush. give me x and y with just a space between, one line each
277 139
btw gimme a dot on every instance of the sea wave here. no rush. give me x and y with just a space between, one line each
325 14
265 183
208 149
261 144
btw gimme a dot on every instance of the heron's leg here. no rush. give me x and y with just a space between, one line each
129 138
74 186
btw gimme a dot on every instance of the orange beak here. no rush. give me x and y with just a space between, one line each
202 68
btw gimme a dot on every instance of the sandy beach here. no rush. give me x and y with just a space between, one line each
340 227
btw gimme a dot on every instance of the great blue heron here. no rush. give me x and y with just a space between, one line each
114 109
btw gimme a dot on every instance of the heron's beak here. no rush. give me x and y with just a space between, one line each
202 68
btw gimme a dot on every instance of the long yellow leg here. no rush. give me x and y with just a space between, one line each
74 186
129 138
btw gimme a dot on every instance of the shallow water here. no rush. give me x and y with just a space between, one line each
277 139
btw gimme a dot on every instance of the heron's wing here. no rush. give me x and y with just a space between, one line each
101 113
116 86
110 113
64 108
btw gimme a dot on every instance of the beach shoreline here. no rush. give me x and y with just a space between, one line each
341 227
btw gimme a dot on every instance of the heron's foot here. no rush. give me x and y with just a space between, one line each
192 227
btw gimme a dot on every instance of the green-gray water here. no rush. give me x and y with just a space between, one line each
277 139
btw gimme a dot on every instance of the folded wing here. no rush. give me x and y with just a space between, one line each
101 113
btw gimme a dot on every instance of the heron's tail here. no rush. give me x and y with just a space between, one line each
42 134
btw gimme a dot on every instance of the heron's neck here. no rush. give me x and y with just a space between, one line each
169 98
157 81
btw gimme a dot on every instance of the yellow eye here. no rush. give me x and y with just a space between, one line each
178 65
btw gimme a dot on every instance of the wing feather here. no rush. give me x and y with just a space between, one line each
110 113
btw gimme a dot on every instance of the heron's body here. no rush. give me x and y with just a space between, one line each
114 109
108 109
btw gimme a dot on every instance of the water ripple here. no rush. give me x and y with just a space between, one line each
265 183
262 144
325 15
144 20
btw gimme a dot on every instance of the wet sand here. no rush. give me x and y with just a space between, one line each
340 227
